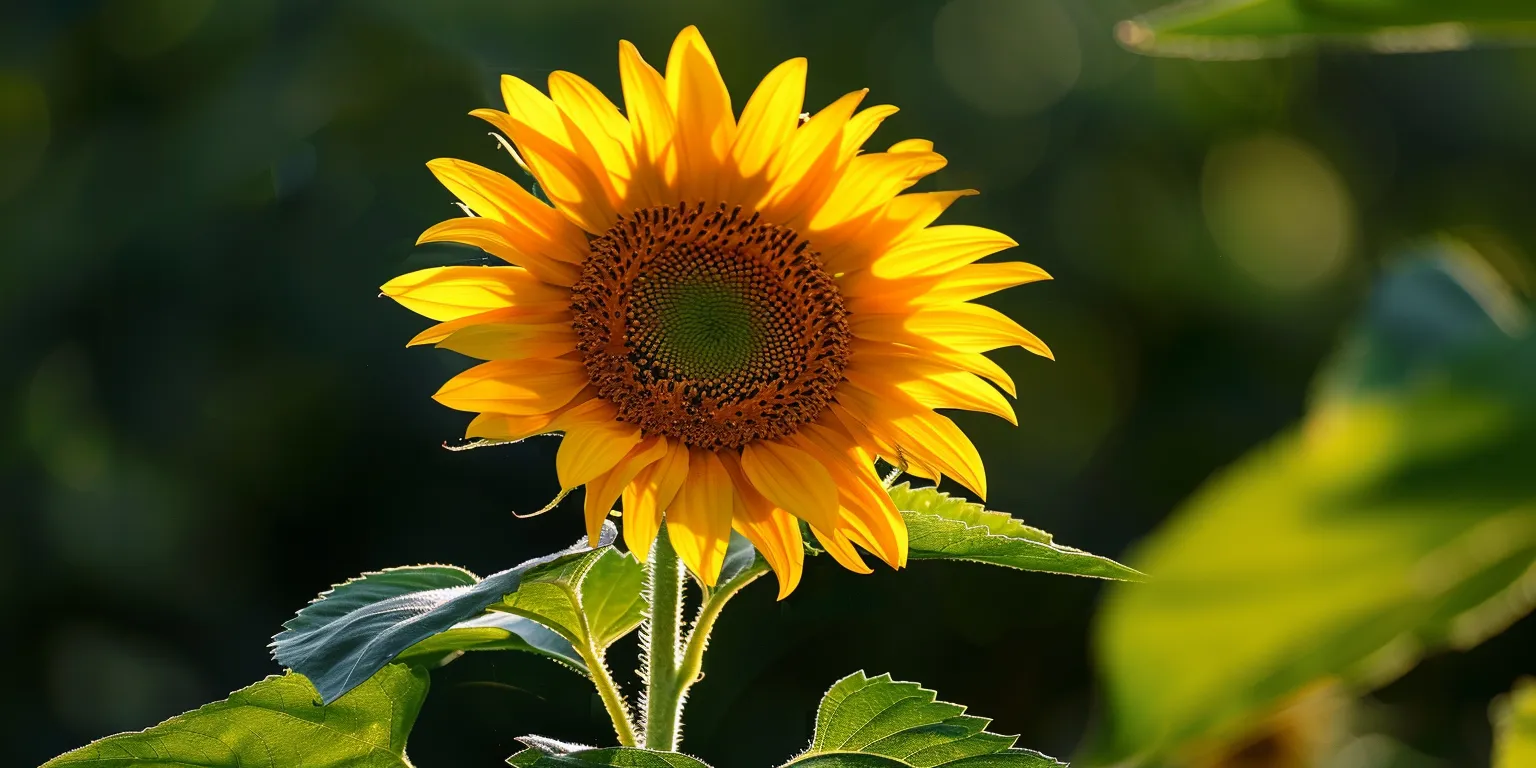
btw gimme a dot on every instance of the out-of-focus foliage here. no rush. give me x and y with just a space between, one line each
1245 29
274 724
1514 720
945 527
353 630
1398 518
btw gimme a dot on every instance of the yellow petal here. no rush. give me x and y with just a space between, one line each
801 174
527 314
499 199
508 243
514 387
706 127
792 480
960 327
605 489
862 125
921 438
568 180
774 532
911 145
837 545
870 182
529 105
869 516
652 124
855 244
651 492
976 280
937 250
500 426
596 118
512 341
699 520
593 445
932 383
768 121
449 293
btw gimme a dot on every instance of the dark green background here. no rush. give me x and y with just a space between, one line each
209 415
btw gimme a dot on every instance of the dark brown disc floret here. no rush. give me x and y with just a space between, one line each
710 326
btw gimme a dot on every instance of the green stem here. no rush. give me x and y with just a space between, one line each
674 664
692 665
613 700
607 688
663 701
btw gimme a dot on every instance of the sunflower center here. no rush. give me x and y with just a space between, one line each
709 326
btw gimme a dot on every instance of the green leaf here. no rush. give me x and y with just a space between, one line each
276 723
1514 723
740 557
1245 29
494 632
944 527
1398 519
353 630
594 599
871 722
548 753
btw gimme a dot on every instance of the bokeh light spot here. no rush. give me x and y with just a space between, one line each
1279 210
1007 57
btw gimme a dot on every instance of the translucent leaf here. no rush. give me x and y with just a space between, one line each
740 556
1246 29
597 597
1398 519
868 722
494 632
276 723
944 527
353 630
1514 722
548 753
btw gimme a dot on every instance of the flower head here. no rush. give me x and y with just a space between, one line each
729 317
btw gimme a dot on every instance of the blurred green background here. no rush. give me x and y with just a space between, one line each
209 414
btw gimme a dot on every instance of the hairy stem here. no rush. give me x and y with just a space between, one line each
663 630
692 665
613 700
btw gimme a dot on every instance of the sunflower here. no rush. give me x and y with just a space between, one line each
728 317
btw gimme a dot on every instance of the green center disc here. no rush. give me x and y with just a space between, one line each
707 329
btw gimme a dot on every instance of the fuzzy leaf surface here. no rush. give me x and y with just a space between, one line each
276 723
875 722
353 630
945 527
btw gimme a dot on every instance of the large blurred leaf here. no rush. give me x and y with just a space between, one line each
595 599
1514 722
1399 518
944 527
353 630
877 722
276 723
1245 29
